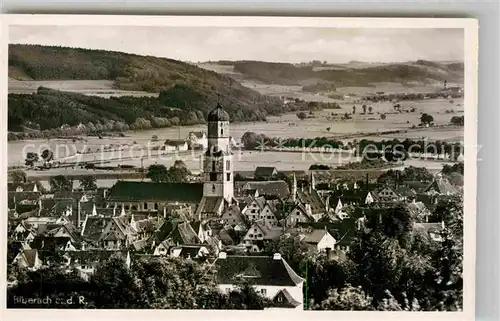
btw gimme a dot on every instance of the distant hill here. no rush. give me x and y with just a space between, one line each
181 86
356 74
186 93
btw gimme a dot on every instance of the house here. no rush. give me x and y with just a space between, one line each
190 251
197 140
432 229
85 262
268 189
419 211
441 186
173 233
118 234
253 207
298 214
259 234
93 227
210 206
265 173
148 196
318 240
271 276
175 145
22 187
28 258
370 198
232 216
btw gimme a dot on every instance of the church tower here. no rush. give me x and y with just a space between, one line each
218 162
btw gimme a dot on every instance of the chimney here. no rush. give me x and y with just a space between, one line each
222 255
105 193
277 256
327 203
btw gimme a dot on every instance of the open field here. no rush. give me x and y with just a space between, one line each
100 88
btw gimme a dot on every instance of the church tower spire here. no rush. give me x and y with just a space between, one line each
217 163
312 184
294 188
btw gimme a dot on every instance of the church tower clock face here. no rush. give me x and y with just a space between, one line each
217 168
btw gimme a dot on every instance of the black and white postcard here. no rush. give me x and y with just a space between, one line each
197 167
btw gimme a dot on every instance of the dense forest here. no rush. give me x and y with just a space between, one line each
330 76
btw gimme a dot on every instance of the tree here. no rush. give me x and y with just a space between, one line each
426 119
364 109
383 116
88 183
18 176
245 297
457 120
157 173
178 174
117 286
301 115
353 110
179 164
328 129
47 155
60 183
370 109
250 140
347 298
291 249
31 158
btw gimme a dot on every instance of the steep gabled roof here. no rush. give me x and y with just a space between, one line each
259 270
94 226
265 171
314 236
442 186
275 189
284 299
148 191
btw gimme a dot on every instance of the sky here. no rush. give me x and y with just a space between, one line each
294 45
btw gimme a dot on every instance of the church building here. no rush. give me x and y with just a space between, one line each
217 166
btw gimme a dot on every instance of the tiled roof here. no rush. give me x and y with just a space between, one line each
27 187
94 226
259 270
177 232
30 256
148 191
429 227
197 134
210 204
314 236
175 142
265 171
313 199
190 250
92 256
286 299
442 186
49 243
278 189
270 233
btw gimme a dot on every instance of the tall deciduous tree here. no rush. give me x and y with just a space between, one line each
88 183
18 176
60 183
